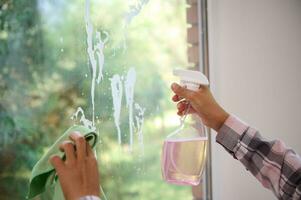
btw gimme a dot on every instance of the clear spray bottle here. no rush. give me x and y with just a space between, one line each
184 150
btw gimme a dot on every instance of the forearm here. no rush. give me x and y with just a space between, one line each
271 162
90 198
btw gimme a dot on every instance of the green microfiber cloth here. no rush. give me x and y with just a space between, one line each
43 175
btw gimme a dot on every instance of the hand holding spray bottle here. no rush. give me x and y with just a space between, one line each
184 150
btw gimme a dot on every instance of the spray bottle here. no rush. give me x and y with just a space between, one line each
184 150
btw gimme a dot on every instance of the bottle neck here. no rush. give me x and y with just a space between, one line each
183 118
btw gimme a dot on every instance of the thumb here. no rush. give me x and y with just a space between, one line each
183 92
57 163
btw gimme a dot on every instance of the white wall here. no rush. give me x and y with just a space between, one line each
255 63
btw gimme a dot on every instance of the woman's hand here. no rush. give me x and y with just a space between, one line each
202 103
78 174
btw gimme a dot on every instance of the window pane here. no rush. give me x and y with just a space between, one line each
47 50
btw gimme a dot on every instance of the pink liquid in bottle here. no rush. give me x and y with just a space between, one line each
183 160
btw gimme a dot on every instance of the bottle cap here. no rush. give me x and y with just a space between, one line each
191 79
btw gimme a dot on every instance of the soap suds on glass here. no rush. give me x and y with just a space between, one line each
134 10
117 90
96 42
139 124
87 123
135 122
97 49
129 86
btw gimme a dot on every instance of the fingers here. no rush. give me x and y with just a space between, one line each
176 98
182 108
68 148
89 151
57 163
183 92
80 142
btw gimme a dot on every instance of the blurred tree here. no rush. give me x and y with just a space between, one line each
20 37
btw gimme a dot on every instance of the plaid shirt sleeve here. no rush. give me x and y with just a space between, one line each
277 167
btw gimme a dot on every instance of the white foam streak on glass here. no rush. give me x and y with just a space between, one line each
139 124
117 90
129 94
134 9
92 50
87 123
99 47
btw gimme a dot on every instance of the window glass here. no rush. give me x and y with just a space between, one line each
107 63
